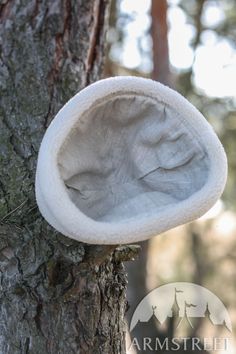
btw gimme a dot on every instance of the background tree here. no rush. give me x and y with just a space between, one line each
137 285
57 296
203 252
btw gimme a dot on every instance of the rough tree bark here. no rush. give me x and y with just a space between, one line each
56 295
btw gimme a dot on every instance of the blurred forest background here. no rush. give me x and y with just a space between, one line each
189 45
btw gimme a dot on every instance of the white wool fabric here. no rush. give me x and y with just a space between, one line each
125 159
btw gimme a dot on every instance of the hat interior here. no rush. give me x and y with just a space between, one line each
130 156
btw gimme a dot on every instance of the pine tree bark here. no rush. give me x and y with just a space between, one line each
56 295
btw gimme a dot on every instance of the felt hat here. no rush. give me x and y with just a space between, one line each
125 159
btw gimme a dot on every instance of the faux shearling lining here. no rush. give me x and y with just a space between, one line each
126 159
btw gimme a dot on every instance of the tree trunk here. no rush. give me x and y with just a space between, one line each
159 32
57 295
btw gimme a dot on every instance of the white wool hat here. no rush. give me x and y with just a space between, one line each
126 159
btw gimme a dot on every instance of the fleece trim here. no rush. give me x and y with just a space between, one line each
53 193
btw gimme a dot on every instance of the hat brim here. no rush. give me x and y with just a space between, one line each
52 194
